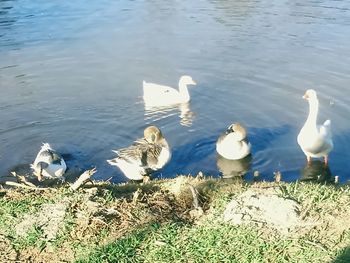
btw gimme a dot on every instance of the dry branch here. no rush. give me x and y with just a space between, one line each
10 183
83 178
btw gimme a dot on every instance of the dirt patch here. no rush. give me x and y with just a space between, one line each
7 253
49 219
331 228
264 208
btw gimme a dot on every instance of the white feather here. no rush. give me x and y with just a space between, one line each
52 170
132 170
159 95
132 163
232 149
315 140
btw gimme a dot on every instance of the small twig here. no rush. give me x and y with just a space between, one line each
83 179
23 179
306 210
336 179
110 178
195 196
256 176
10 183
135 196
99 220
278 176
317 245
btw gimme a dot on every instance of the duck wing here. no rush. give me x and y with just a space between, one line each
50 156
56 157
153 88
322 141
325 129
142 152
319 145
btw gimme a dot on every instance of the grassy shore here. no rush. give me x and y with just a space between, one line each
157 222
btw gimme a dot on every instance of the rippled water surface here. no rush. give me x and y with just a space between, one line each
71 74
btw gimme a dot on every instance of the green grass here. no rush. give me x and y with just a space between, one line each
214 241
179 239
12 210
124 250
207 243
64 232
317 198
33 238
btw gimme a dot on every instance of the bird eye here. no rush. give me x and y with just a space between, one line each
229 130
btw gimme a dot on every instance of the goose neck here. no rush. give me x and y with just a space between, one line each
313 111
184 91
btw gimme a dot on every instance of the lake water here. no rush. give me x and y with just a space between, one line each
71 74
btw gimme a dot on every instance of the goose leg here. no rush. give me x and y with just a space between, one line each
39 175
146 179
308 159
326 160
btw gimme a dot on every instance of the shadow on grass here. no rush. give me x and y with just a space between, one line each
344 256
127 190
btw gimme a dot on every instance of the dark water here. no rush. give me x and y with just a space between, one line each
71 74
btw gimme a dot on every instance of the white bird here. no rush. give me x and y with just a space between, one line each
159 95
145 156
315 140
48 163
233 144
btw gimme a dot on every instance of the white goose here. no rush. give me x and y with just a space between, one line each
315 140
233 144
48 163
145 156
159 95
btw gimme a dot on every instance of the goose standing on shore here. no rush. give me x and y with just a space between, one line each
159 95
315 140
145 156
48 163
233 144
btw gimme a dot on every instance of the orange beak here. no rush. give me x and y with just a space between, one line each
306 96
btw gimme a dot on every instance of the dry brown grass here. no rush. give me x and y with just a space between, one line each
101 213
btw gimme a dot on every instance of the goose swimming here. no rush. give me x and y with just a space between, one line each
159 95
315 140
144 156
48 163
233 144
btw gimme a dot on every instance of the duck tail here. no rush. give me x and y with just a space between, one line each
46 146
113 161
327 123
325 129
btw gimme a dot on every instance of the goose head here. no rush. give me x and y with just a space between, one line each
310 94
152 134
38 170
186 80
237 131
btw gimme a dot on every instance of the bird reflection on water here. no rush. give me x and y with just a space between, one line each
158 113
234 168
316 171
